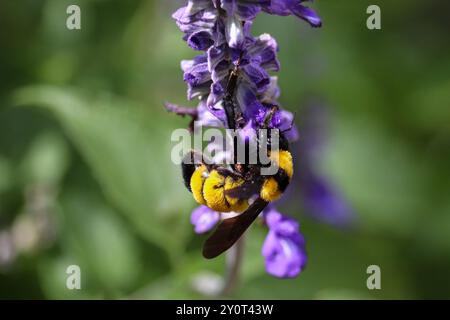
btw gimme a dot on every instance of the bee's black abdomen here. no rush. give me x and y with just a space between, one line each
282 179
188 169
283 143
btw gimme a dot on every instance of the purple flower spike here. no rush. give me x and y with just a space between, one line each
204 219
284 247
232 80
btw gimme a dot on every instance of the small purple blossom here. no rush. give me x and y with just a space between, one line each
284 247
204 219
212 22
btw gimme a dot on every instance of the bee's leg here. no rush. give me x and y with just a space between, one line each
228 101
228 106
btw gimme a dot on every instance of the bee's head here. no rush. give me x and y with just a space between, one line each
283 143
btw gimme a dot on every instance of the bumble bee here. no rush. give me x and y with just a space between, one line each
242 188
225 190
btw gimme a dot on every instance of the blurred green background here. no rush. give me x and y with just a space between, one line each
86 176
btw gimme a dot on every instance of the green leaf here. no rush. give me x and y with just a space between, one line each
47 160
100 243
429 106
6 173
379 174
128 150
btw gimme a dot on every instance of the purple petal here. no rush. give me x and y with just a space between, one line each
200 40
234 32
284 247
248 12
204 219
307 14
257 76
272 93
217 91
208 118
264 49
284 258
248 101
216 55
196 72
197 76
288 7
280 224
287 126
245 10
279 7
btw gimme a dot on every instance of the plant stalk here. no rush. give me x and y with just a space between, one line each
233 265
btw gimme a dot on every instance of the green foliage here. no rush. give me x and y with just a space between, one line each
128 156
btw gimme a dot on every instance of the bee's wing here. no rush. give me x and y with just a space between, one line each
244 191
230 230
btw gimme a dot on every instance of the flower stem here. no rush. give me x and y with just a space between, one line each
233 265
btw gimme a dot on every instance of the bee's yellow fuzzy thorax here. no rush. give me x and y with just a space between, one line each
209 189
197 180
